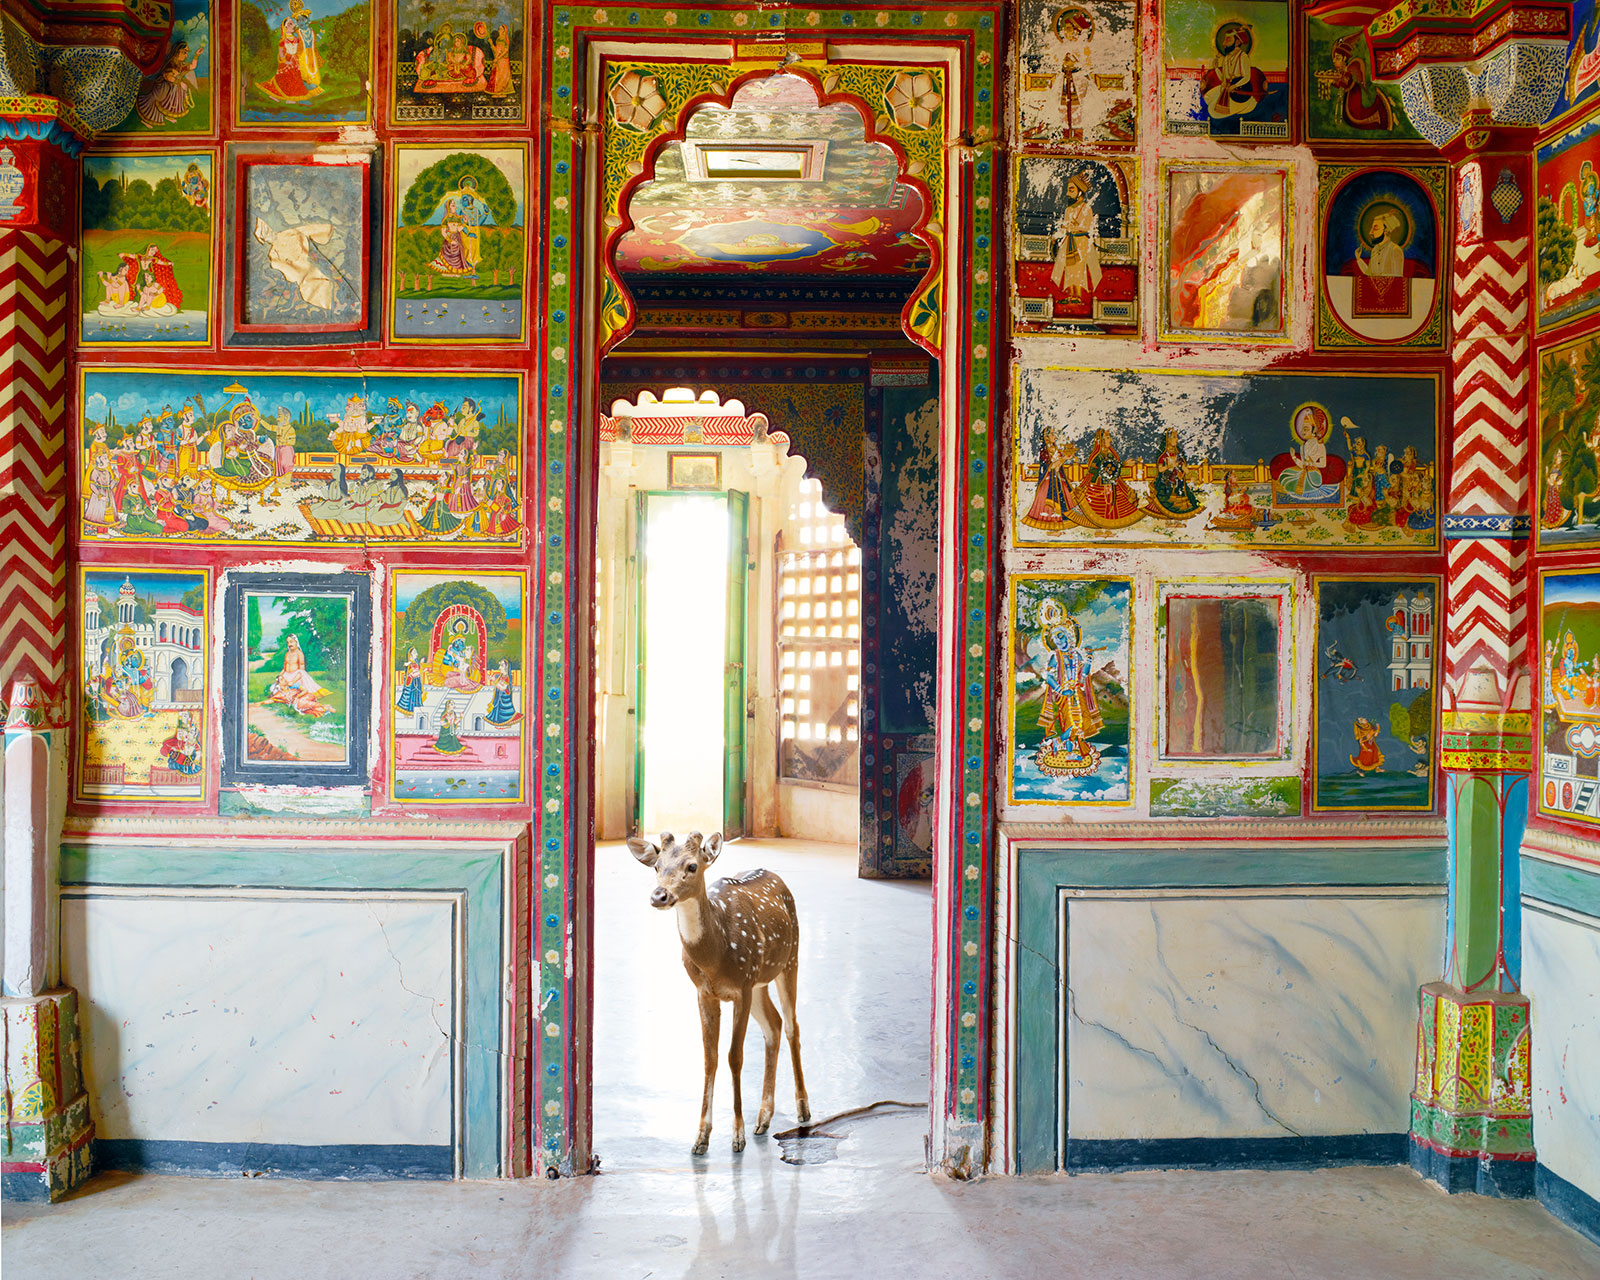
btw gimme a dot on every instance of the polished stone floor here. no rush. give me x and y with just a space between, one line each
858 1206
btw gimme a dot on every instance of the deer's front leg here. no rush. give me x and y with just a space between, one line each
741 1023
710 1027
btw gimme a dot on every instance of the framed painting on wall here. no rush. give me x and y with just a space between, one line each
1344 102
1078 73
148 249
1567 176
294 457
694 471
1226 672
178 99
458 63
1078 246
1576 91
1569 703
302 63
1224 238
145 645
1330 461
1375 719
1225 69
1380 235
1567 507
457 698
458 256
297 679
301 245
1070 712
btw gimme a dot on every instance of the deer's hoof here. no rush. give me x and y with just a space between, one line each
701 1143
763 1124
738 1142
802 1111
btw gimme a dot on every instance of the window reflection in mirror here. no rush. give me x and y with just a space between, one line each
1221 676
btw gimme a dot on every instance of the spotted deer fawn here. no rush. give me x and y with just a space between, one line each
738 936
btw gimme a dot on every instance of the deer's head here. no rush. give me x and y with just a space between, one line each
680 868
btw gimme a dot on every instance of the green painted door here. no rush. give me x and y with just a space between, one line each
733 690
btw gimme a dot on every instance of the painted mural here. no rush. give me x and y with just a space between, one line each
1335 461
148 249
812 195
1226 69
301 244
1224 235
1373 729
1568 503
1582 72
294 457
1078 72
1224 797
908 617
1569 223
145 657
297 686
456 716
1077 245
179 99
458 263
1071 693
1380 238
1569 705
1344 103
458 63
302 62
297 678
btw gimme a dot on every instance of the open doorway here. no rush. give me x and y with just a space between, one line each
794 427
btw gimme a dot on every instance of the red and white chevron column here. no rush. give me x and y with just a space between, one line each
1486 616
33 382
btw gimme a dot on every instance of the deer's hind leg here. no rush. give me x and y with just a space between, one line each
788 983
771 1024
710 1026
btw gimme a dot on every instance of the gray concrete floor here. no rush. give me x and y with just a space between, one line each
655 1212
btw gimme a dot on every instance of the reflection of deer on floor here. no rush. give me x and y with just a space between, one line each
737 937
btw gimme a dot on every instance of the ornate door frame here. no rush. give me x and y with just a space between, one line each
693 55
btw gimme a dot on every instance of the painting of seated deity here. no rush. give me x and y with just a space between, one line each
1226 69
458 262
1311 460
457 714
1077 246
297 678
145 637
1380 242
148 249
408 459
458 62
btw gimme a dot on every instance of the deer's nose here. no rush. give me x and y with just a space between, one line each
658 898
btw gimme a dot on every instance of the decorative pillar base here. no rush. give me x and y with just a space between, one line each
48 1146
1471 1115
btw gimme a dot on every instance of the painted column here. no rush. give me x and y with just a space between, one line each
1478 82
48 1139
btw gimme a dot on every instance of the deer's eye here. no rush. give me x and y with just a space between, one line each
691 868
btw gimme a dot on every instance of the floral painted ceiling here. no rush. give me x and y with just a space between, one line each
776 184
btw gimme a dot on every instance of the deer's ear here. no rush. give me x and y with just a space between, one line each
713 847
644 850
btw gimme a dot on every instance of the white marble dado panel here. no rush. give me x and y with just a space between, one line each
1561 977
1231 1014
240 1016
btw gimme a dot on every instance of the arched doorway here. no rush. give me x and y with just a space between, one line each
590 179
